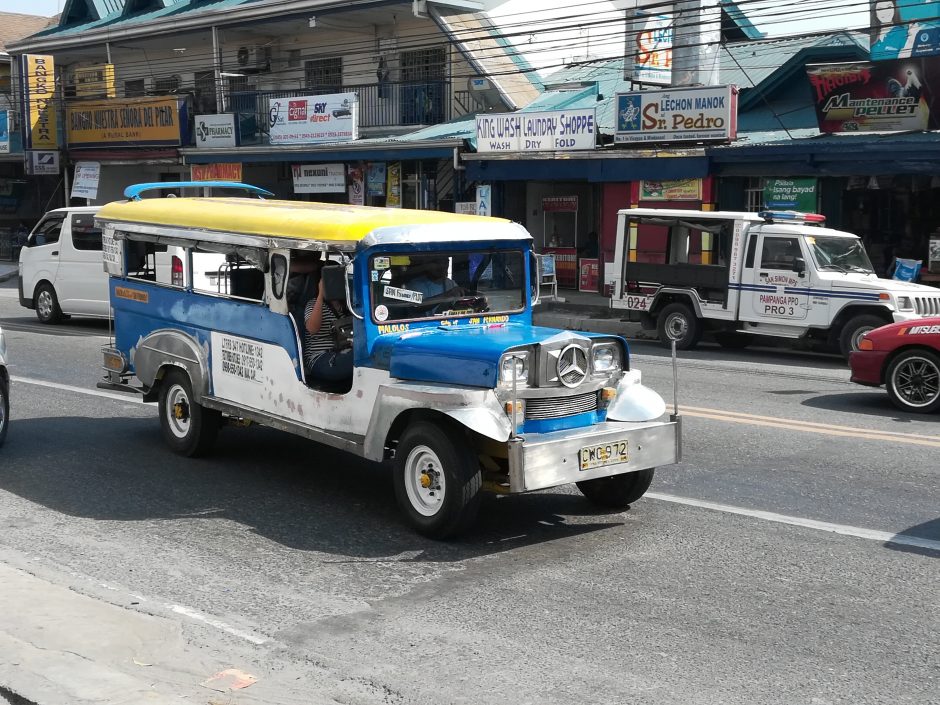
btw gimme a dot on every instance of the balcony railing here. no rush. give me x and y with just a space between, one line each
387 104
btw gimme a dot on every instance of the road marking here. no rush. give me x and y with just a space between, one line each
218 624
843 529
810 426
130 398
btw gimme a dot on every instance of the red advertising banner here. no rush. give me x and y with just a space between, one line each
588 279
217 172
882 96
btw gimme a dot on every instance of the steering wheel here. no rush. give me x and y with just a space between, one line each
473 301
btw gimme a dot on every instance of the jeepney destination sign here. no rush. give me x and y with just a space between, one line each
696 114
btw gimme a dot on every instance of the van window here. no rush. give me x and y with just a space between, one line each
85 236
47 232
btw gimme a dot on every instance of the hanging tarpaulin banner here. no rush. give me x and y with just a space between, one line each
37 78
675 190
375 179
904 28
791 194
648 55
393 199
4 131
85 183
357 187
484 199
319 178
882 96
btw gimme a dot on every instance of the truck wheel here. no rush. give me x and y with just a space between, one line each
47 304
854 329
678 322
913 381
188 428
437 480
617 491
4 409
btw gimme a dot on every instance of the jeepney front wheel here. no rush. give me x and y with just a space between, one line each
617 491
188 427
437 480
678 322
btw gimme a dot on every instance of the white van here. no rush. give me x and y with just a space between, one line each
61 272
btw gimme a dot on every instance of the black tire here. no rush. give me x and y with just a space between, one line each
854 329
617 491
449 505
47 304
913 381
733 340
679 322
4 408
188 428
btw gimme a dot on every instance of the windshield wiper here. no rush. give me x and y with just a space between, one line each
833 266
858 268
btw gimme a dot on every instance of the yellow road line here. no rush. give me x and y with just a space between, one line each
810 427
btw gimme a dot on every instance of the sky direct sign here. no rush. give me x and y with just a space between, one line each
555 131
700 114
314 119
882 96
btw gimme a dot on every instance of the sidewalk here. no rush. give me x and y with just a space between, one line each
60 647
7 270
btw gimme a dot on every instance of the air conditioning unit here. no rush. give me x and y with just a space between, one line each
254 59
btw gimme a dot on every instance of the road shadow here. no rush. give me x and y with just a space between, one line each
871 403
922 539
73 326
706 351
298 493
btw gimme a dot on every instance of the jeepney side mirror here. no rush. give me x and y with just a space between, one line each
799 266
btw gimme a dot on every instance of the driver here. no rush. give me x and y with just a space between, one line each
324 360
433 279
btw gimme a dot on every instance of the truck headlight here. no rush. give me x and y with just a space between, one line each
905 303
605 358
514 363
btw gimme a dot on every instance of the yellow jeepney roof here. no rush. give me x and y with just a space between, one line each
288 219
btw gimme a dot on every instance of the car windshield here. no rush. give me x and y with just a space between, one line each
840 253
435 285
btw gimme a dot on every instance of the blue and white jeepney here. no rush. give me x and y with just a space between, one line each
457 390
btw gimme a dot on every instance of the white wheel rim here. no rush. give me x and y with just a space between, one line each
179 426
916 381
44 304
676 326
424 481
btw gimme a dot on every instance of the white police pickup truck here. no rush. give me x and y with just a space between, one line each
774 273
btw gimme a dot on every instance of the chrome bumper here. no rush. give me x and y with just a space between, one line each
537 461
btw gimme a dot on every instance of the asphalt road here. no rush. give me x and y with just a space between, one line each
792 557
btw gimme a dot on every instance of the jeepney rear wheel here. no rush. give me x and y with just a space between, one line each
188 427
617 491
678 322
437 480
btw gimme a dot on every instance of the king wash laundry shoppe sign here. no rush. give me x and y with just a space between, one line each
700 114
554 131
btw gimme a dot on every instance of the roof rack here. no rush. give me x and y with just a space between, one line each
132 193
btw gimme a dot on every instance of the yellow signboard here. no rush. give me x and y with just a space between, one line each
217 172
95 81
138 122
680 190
38 80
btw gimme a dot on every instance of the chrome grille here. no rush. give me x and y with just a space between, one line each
927 305
555 407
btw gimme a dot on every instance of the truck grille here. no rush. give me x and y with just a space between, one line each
927 305
555 407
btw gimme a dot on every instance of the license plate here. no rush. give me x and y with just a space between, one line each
639 303
598 456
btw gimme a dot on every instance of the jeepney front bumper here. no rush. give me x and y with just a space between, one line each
540 460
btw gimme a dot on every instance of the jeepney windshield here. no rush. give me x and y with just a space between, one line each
846 254
446 285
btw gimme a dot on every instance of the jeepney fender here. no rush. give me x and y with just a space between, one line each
171 347
688 293
476 409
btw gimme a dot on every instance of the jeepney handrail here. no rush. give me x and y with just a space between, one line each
132 193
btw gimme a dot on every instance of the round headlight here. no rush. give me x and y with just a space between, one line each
508 365
605 359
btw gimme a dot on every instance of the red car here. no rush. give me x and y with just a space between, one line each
905 357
